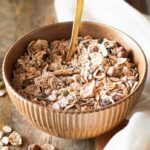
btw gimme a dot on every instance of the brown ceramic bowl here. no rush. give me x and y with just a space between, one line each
77 125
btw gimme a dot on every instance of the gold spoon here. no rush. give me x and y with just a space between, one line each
75 29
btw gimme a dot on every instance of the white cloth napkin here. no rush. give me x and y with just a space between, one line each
117 13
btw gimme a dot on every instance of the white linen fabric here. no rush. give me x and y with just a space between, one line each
117 13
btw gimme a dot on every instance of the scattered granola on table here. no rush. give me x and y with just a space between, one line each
100 73
9 137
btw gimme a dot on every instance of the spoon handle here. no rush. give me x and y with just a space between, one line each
75 29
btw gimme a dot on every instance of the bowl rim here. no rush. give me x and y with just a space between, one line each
8 84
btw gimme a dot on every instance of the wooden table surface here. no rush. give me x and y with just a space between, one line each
17 17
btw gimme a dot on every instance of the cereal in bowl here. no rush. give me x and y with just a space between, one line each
99 74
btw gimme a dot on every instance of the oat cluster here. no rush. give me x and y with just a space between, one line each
9 137
100 73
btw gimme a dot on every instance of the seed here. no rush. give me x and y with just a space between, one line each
90 76
45 57
97 97
64 80
5 140
6 129
55 106
63 102
96 105
65 93
62 53
131 83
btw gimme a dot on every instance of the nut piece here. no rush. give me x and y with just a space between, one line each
48 147
15 139
87 90
5 140
113 71
34 147
5 148
52 98
7 129
63 102
65 92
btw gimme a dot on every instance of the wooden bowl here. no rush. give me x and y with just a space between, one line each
76 125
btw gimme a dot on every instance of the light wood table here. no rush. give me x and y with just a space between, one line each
17 17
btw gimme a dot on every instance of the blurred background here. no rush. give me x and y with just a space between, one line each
141 5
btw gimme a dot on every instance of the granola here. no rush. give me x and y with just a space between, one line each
100 73
15 139
8 138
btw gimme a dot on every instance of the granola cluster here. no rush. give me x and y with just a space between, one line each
9 137
100 73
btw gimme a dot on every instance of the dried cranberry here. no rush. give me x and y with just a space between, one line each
117 97
113 71
122 52
105 102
